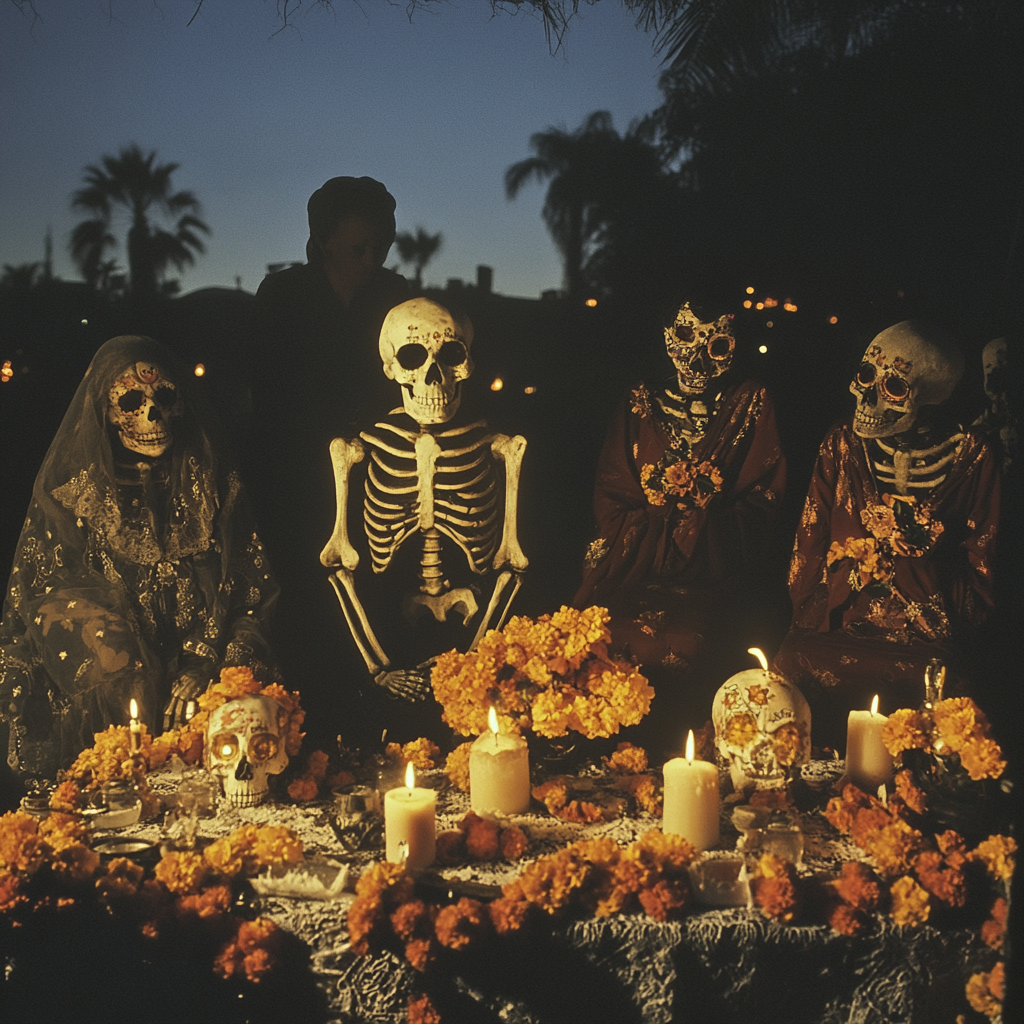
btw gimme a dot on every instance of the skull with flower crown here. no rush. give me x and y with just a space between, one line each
762 728
700 351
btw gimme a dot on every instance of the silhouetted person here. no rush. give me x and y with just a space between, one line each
318 377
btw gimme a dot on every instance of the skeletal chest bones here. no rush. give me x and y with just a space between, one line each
454 486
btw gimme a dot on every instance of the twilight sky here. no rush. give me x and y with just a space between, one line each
436 109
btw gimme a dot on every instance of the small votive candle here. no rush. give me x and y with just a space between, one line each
134 726
868 762
499 772
691 799
409 822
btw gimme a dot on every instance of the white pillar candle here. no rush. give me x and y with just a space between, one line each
868 763
134 726
691 799
499 772
409 820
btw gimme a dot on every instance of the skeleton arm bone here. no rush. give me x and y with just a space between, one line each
338 551
510 451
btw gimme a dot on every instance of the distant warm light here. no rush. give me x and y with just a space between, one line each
900 293
84 321
497 384
762 349
770 323
833 319
750 290
199 370
6 373
760 305
591 303
770 303
789 306
747 304
531 390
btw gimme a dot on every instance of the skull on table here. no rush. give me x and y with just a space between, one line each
245 744
907 366
762 728
700 351
143 404
426 350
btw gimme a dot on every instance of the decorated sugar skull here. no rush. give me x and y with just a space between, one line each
426 350
245 743
762 728
700 351
907 366
143 406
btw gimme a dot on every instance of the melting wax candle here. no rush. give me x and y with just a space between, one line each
499 772
135 726
691 799
409 823
868 763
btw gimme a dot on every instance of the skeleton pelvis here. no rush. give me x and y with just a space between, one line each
462 600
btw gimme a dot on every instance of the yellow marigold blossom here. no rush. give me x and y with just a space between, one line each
628 759
457 766
233 854
276 845
911 904
421 752
75 864
997 854
985 991
63 830
183 872
22 849
907 729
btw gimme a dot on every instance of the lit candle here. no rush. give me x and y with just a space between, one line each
868 763
135 726
691 799
409 821
499 772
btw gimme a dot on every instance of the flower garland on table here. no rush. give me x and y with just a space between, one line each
478 839
111 758
551 676
48 864
594 878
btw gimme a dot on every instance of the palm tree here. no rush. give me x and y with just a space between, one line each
418 250
575 164
134 183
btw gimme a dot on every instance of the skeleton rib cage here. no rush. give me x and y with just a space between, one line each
916 471
456 492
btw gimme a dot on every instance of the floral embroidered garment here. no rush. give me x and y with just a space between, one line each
883 582
130 572
680 521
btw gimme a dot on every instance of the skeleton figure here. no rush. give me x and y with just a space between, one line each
905 370
433 479
143 406
701 352
245 744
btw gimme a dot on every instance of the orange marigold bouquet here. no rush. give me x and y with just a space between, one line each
551 675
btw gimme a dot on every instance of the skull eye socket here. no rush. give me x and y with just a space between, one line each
895 388
866 375
411 357
131 401
165 396
684 335
720 346
262 747
224 746
453 353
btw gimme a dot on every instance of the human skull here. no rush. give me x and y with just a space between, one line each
700 351
143 404
762 728
426 350
907 366
245 743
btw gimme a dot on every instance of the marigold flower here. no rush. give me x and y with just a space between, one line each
22 850
11 895
457 766
389 882
421 1011
303 788
366 919
879 520
212 902
997 854
627 759
509 914
66 797
985 991
421 953
911 904
482 839
450 848
412 920
774 887
459 924
75 863
121 882
183 872
845 919
912 796
993 931
858 886
513 842
947 884
953 847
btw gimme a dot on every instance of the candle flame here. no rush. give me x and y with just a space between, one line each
874 705
410 776
133 708
689 746
190 711
883 794
492 720
759 654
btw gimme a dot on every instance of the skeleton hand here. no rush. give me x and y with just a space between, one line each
185 688
405 684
